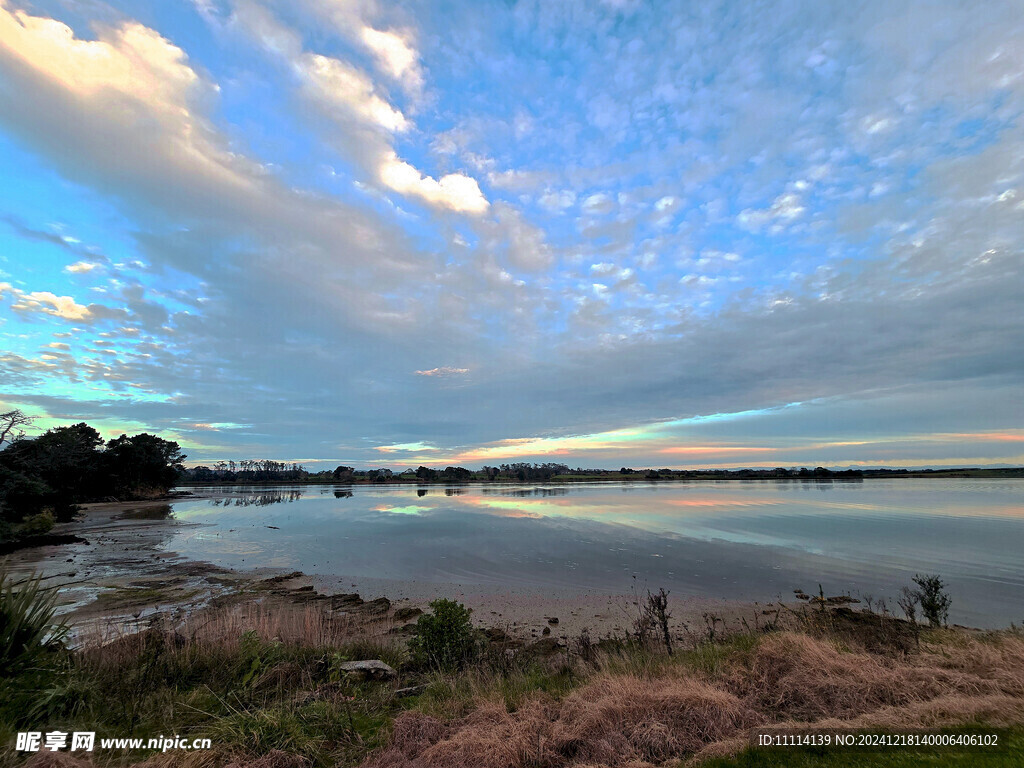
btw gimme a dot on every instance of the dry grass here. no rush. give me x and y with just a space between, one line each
57 760
219 634
308 626
300 625
620 707
616 719
613 720
668 712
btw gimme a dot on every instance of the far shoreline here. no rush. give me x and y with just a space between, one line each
690 476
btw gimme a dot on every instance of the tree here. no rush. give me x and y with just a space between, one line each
64 461
11 424
456 474
67 459
426 473
142 465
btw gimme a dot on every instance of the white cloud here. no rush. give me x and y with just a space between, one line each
351 97
558 200
132 60
785 208
123 102
47 303
443 370
454 190
524 244
81 266
598 204
514 179
873 124
395 56
341 86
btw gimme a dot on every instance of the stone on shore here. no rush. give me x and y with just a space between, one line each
370 669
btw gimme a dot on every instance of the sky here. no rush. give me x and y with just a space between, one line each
600 233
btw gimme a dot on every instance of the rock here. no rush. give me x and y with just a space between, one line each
346 600
380 605
553 620
496 635
283 577
544 647
370 669
406 613
546 631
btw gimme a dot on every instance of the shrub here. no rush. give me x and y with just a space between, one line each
445 638
657 613
21 495
934 599
37 525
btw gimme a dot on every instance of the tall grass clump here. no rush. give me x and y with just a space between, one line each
29 630
32 662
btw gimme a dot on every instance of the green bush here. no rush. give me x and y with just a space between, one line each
37 525
445 638
934 599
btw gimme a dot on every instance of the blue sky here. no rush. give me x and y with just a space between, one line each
605 233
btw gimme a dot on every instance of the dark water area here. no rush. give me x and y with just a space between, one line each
756 540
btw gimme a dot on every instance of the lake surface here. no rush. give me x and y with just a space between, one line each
756 540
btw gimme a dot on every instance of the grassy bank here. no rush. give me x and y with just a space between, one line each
268 686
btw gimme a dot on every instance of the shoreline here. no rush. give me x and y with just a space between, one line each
118 572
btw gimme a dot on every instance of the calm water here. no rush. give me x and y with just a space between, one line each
745 540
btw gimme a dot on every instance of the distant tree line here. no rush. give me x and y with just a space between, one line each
264 470
43 478
247 470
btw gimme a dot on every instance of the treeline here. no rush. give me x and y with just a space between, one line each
43 478
247 471
264 470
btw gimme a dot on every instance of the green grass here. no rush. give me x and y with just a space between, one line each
452 695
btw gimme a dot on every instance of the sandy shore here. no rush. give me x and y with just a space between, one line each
124 573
